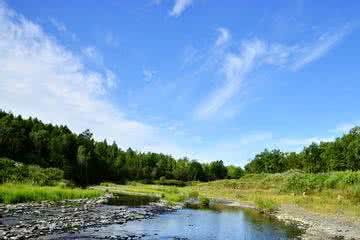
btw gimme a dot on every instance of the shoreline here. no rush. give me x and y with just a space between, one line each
316 226
38 220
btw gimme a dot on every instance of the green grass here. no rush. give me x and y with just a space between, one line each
327 193
171 194
19 193
266 205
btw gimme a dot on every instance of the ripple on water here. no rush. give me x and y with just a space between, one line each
196 224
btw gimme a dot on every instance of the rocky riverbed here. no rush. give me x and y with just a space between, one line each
36 220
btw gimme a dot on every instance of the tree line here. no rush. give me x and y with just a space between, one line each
86 161
339 155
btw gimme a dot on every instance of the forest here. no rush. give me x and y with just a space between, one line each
85 161
339 155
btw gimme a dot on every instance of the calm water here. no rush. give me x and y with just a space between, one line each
199 224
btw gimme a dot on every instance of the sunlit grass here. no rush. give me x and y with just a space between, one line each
20 193
171 194
263 189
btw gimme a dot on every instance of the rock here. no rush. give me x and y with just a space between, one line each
32 220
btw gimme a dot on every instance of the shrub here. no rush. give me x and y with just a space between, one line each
19 193
11 171
193 194
266 205
204 202
171 182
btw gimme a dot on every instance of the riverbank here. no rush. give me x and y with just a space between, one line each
287 207
34 220
326 205
315 226
11 193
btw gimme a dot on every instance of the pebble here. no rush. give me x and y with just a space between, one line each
32 220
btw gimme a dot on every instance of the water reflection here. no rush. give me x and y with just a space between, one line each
208 224
230 224
125 199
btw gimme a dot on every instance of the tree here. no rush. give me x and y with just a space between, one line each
234 172
353 155
312 157
217 170
196 171
83 157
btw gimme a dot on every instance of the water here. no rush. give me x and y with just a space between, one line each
200 225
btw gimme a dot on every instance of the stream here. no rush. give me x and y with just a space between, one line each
195 224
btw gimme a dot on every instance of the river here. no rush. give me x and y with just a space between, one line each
195 224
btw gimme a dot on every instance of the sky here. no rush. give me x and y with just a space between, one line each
205 79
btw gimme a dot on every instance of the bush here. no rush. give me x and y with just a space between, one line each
11 171
299 183
266 205
204 202
193 194
19 193
171 182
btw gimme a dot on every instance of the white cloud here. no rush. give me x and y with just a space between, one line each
345 127
93 54
235 68
303 141
236 150
41 78
223 38
321 46
148 74
179 7
60 27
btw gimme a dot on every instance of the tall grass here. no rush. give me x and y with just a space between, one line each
20 193
333 192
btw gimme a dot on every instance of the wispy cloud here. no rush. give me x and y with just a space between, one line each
345 127
223 38
93 54
303 141
236 150
40 77
148 74
60 27
179 7
322 45
236 66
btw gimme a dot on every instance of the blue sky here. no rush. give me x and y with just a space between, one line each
195 78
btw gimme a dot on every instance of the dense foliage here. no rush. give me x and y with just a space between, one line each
86 161
339 155
11 171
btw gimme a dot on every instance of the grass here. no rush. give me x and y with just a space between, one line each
18 193
266 205
329 193
171 194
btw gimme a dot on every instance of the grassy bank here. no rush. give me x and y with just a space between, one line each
334 192
169 193
19 193
329 193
